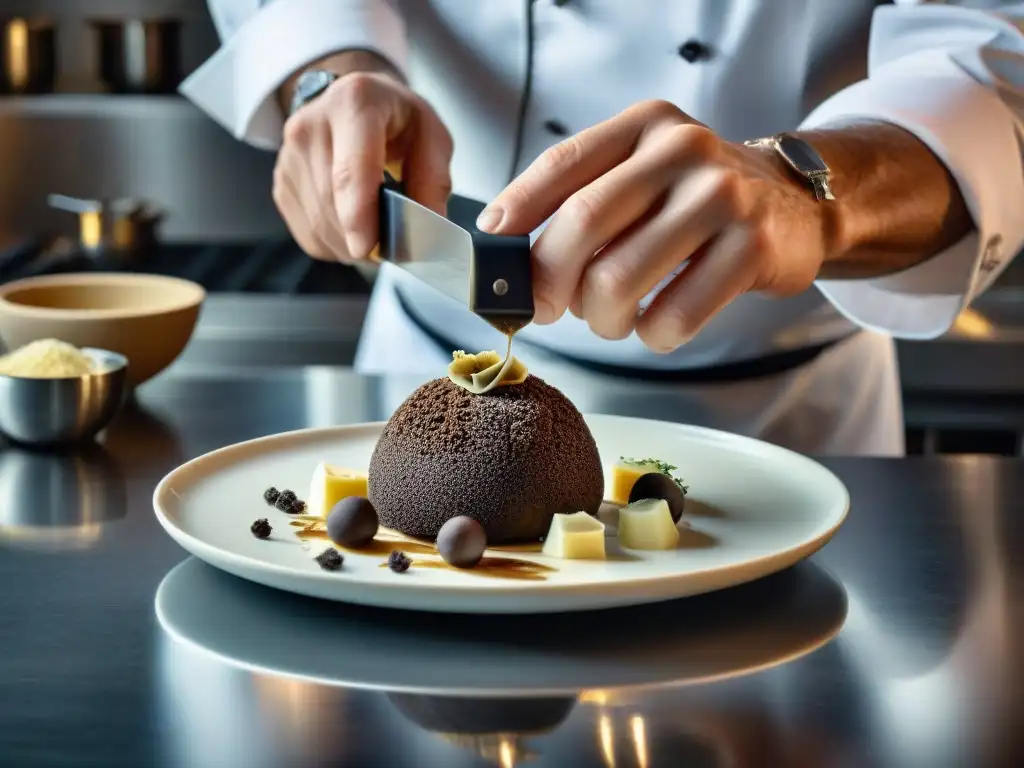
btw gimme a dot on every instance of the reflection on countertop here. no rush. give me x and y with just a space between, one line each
54 501
65 499
486 686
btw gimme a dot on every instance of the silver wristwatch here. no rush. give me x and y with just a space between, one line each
803 159
308 86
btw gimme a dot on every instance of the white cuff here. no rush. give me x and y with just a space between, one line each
973 133
237 85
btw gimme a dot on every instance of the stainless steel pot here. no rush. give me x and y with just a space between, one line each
124 228
140 56
28 56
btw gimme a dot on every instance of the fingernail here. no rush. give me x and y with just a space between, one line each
489 219
356 246
543 313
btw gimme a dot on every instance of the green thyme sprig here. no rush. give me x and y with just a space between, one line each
662 466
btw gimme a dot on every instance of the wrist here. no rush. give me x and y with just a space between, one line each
846 228
831 220
342 63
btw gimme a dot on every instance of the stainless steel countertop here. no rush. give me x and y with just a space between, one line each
920 588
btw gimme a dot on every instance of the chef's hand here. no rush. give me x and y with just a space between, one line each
335 150
635 197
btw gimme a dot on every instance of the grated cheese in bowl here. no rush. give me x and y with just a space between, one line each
46 359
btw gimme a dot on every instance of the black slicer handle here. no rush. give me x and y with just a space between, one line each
501 291
501 275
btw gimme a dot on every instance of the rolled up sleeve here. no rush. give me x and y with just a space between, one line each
263 46
954 77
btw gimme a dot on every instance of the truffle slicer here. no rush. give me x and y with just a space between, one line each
490 274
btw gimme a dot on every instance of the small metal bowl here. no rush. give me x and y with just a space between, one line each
49 412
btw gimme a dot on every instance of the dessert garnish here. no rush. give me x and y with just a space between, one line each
461 542
647 524
398 561
46 359
484 371
658 485
352 522
331 484
330 559
578 536
270 495
284 500
627 471
261 529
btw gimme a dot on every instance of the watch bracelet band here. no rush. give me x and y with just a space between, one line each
820 181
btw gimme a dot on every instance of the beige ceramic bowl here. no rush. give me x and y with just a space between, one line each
147 318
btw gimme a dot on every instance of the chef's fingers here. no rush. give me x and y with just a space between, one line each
559 172
367 111
576 305
288 204
426 167
592 217
319 191
729 267
572 164
705 201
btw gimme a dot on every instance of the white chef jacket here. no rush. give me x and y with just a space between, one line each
951 73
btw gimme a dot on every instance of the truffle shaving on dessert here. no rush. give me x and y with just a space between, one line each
510 459
482 372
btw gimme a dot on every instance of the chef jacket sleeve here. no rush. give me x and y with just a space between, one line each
954 77
265 41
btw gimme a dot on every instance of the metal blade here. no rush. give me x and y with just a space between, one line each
424 244
489 274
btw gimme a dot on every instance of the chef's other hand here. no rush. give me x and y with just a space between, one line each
634 198
334 153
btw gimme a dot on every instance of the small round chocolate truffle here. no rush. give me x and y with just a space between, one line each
658 485
352 522
461 542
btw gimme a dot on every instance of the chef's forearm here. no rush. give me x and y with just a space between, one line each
341 64
896 203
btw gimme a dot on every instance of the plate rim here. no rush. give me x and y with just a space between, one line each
751 446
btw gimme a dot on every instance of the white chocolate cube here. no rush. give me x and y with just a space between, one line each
647 524
575 537
330 485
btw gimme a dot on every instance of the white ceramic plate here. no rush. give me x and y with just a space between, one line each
753 509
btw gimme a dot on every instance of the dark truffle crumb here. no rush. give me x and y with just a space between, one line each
285 499
261 528
399 562
270 495
330 559
297 508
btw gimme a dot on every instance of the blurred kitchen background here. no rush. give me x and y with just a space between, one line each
97 148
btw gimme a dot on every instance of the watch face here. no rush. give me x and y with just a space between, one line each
802 155
310 85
